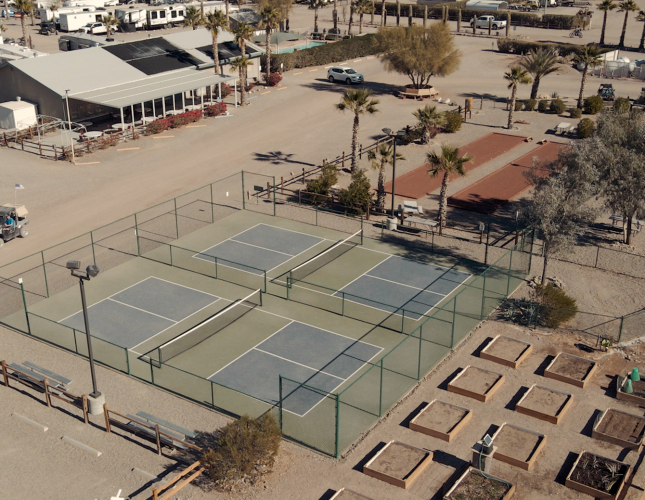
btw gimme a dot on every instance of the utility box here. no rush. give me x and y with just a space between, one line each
17 115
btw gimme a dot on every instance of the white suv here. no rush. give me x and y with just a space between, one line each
93 29
344 74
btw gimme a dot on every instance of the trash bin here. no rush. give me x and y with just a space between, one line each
391 224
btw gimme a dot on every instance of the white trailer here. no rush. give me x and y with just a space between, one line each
164 15
132 16
47 15
212 7
75 21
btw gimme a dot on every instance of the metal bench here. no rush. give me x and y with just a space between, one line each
48 373
135 423
28 376
156 420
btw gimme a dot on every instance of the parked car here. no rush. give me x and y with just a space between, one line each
93 29
483 22
344 74
48 28
11 12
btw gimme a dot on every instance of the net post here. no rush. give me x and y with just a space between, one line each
337 442
213 205
342 303
136 234
265 282
42 256
152 372
288 285
215 267
92 241
212 395
127 360
170 255
454 315
280 401
176 219
362 220
380 393
243 200
24 301
481 314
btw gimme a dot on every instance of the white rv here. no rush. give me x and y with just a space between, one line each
132 18
165 15
75 21
47 15
212 7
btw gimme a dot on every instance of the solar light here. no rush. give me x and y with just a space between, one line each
482 226
73 264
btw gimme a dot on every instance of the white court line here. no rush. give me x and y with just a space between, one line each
184 286
255 246
142 310
299 364
305 250
359 277
403 284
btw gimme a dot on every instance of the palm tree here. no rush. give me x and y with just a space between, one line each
193 17
448 163
516 76
215 22
380 157
271 17
24 7
228 7
641 17
315 5
351 16
539 63
362 7
625 6
605 6
241 34
588 57
54 6
382 13
240 65
429 118
110 22
359 102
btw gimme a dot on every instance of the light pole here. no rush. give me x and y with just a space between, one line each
399 134
90 272
69 122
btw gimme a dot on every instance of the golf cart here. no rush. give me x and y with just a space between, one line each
606 91
19 214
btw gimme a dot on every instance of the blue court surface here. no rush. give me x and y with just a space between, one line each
141 311
399 283
260 248
302 353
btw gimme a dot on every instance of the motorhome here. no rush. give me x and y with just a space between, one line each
75 21
212 7
47 15
165 15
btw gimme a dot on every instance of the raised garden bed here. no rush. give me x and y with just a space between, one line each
441 420
544 403
345 494
620 428
398 464
472 485
506 351
476 383
570 369
638 386
518 446
597 476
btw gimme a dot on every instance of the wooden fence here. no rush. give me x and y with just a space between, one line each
174 485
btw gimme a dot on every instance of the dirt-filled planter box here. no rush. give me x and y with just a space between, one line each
427 91
473 484
476 383
597 476
398 464
620 428
570 369
518 446
345 494
441 420
638 388
506 351
544 403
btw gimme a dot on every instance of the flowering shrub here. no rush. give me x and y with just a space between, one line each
177 121
274 79
215 110
157 126
193 116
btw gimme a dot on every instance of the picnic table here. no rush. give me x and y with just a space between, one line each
563 127
619 218
428 224
410 207
92 135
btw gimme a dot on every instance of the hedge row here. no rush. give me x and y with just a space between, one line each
343 50
509 46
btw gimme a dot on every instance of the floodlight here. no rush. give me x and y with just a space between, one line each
73 264
92 270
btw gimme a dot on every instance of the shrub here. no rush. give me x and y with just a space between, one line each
585 128
522 47
216 109
593 104
518 105
575 112
530 104
321 185
561 22
556 307
412 135
274 79
245 450
543 106
193 116
622 105
452 122
358 195
558 106
157 126
177 121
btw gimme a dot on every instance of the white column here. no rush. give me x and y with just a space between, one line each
154 112
235 84
183 101
174 104
132 111
202 96
219 91
122 120
163 106
143 113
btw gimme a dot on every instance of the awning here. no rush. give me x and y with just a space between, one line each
154 87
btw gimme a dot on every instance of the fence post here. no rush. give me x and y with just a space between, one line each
419 363
93 252
42 255
24 301
243 201
280 401
176 219
342 304
508 281
481 315
454 316
55 154
213 204
531 254
597 254
620 330
170 255
274 196
380 394
4 373
486 250
136 233
343 159
337 451
362 221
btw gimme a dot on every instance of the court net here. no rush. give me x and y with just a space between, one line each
322 259
209 327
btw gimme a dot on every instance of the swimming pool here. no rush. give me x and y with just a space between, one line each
300 47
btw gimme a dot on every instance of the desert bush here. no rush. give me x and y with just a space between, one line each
322 185
245 450
530 104
556 307
452 122
358 195
157 126
622 105
216 109
412 134
575 112
558 106
519 105
274 79
585 128
593 104
543 106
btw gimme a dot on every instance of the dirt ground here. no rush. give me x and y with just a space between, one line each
568 366
505 348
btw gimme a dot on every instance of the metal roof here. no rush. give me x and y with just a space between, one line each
152 87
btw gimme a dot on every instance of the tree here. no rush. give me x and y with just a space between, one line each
351 17
362 7
359 102
334 16
271 17
110 22
429 119
193 18
241 34
240 65
315 5
449 163
516 76
24 7
539 63
215 22
641 17
359 193
605 6
625 6
383 13
588 56
418 53
380 157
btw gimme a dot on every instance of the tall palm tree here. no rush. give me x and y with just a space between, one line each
362 7
215 22
516 76
54 6
359 102
240 65
315 5
241 34
381 157
449 163
110 22
641 17
429 117
193 17
271 17
605 6
334 15
539 63
24 7
351 16
625 6
228 8
588 57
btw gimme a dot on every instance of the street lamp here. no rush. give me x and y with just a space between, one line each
90 272
395 136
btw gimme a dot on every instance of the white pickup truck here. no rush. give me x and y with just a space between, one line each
483 22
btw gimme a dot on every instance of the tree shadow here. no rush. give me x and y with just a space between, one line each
377 88
279 158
